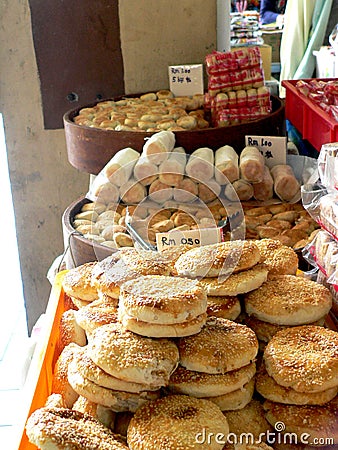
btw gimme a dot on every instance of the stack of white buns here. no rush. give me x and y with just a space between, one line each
299 380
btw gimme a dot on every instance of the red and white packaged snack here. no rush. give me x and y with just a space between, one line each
222 118
220 61
241 96
304 87
232 99
331 88
245 114
334 111
207 101
221 101
252 97
322 93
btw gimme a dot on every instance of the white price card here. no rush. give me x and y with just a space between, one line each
273 148
186 79
193 238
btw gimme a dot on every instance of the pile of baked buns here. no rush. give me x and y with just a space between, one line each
153 111
192 348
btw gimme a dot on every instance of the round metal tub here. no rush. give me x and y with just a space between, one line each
89 149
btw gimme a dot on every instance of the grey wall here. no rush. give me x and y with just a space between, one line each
154 34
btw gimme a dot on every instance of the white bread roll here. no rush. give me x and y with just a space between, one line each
145 171
226 165
286 185
171 171
200 165
264 189
251 164
119 169
158 146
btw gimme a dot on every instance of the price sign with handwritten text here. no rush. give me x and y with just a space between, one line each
273 148
186 80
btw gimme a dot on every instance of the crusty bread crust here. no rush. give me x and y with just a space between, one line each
221 346
66 428
303 358
237 283
131 357
162 299
317 421
222 258
160 330
235 400
289 300
77 282
200 385
173 422
269 389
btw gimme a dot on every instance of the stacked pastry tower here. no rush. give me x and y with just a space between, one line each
299 380
146 347
148 359
283 300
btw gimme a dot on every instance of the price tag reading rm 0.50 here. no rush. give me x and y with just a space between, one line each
193 238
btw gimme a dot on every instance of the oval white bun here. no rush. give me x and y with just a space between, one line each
198 384
289 300
68 428
130 357
303 358
162 299
222 258
176 422
221 346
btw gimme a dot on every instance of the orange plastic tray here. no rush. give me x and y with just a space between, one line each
38 385
39 378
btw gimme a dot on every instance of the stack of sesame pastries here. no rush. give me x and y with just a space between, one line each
217 364
286 301
77 285
225 270
121 370
299 380
162 306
